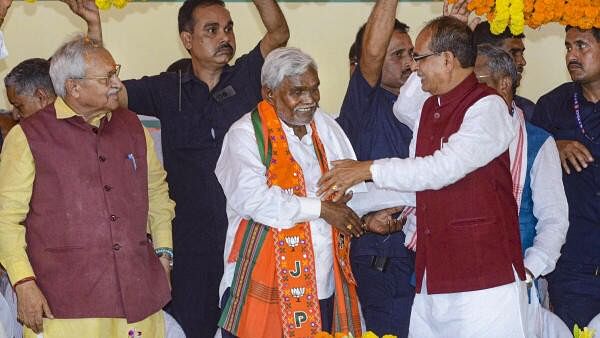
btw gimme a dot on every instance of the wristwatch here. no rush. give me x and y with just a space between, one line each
165 252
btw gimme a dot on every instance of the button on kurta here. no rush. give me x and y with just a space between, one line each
116 247
113 218
102 158
107 188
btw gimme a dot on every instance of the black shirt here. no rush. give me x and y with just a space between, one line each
555 112
194 121
367 117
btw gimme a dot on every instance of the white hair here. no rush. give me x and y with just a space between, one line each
68 62
283 62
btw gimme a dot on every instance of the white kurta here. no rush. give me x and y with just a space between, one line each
242 176
549 202
485 133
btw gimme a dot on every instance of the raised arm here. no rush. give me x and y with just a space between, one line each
378 32
88 11
277 29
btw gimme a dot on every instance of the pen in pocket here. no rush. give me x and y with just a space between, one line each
132 159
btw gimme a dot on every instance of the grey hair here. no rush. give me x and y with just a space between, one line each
283 62
28 76
68 62
500 63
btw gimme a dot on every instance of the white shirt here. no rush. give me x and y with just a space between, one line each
242 176
485 133
549 204
549 200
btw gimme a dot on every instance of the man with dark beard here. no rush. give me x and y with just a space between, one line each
571 114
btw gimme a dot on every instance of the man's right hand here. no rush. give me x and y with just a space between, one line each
575 153
32 306
339 215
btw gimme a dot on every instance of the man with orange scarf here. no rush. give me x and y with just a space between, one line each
286 256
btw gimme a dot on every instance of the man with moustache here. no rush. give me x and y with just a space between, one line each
513 45
381 263
287 270
571 114
80 188
469 264
196 108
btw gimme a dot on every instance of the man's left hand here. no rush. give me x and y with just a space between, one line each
166 263
343 175
382 222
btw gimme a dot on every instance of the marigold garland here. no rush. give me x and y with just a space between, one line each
515 14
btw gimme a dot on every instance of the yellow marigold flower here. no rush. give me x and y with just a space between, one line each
120 3
369 334
30 1
103 4
501 17
389 336
517 18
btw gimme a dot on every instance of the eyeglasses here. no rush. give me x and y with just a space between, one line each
416 57
109 76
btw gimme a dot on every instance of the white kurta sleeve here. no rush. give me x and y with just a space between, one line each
485 134
550 208
242 176
376 199
410 101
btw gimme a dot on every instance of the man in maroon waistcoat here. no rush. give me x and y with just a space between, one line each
469 264
80 189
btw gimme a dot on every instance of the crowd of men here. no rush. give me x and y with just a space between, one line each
426 209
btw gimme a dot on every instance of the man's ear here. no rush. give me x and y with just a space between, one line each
186 39
42 95
506 85
448 59
267 94
72 88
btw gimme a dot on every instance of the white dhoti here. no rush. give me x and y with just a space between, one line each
497 312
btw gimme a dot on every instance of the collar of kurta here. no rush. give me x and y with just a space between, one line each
63 111
459 91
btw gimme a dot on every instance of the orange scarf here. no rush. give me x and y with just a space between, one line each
274 290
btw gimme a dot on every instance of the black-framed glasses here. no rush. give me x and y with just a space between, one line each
113 73
416 57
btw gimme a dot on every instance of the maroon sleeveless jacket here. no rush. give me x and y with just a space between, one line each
86 226
468 232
